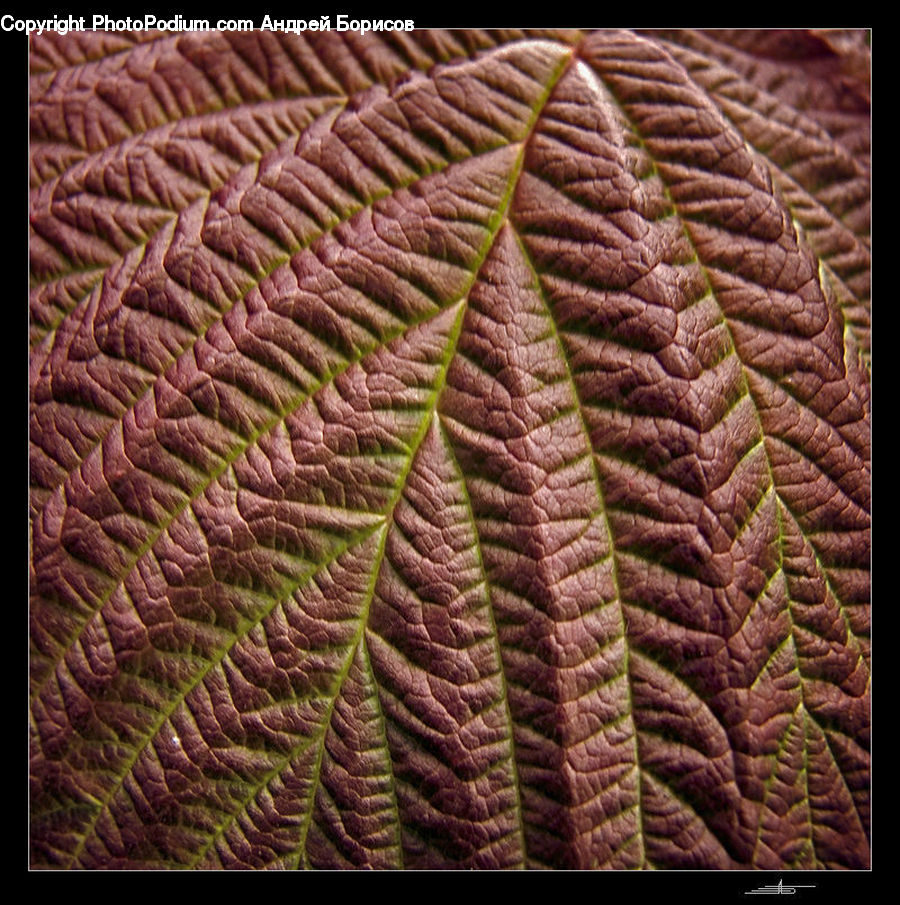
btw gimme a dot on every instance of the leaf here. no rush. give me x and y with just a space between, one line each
450 449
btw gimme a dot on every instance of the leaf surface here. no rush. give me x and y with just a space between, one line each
449 450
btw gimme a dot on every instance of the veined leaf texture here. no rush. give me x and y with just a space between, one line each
450 450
